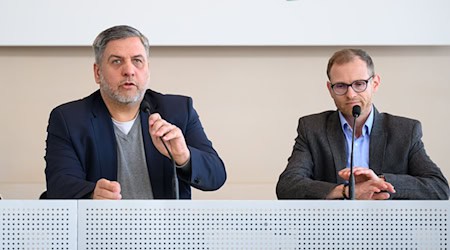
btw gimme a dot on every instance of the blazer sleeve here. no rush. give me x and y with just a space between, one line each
422 179
306 176
206 171
65 174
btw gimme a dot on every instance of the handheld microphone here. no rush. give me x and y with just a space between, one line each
356 111
145 107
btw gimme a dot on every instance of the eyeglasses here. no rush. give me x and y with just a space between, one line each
358 86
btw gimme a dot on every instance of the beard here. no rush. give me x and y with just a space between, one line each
119 97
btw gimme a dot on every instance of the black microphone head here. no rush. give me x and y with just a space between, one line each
145 106
356 111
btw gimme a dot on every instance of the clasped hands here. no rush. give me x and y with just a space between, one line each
368 186
159 130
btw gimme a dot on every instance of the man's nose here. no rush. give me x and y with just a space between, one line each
351 92
128 69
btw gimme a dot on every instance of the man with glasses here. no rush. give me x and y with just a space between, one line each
389 157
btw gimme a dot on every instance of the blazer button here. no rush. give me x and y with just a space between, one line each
196 180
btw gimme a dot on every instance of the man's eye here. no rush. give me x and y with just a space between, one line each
359 83
116 61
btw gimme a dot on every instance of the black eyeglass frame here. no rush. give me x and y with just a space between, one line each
351 85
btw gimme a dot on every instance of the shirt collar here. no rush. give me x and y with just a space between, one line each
367 128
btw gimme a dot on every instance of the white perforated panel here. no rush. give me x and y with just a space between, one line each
38 225
264 225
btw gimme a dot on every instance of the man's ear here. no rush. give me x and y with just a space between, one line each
329 88
376 82
97 73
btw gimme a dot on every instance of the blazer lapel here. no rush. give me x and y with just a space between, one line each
155 161
105 140
336 140
377 143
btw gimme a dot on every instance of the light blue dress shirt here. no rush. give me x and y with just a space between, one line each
361 146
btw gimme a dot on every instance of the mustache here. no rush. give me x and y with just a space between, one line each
128 80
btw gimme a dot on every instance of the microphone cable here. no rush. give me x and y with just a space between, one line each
145 107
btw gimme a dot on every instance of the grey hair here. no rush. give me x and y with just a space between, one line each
115 33
347 55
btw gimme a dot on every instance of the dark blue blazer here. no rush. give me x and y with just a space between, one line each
81 149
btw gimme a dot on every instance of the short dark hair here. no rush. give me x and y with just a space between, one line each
347 55
115 33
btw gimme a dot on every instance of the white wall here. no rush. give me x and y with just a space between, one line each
229 22
249 100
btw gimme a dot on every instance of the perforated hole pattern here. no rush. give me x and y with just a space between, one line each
231 225
266 225
33 225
